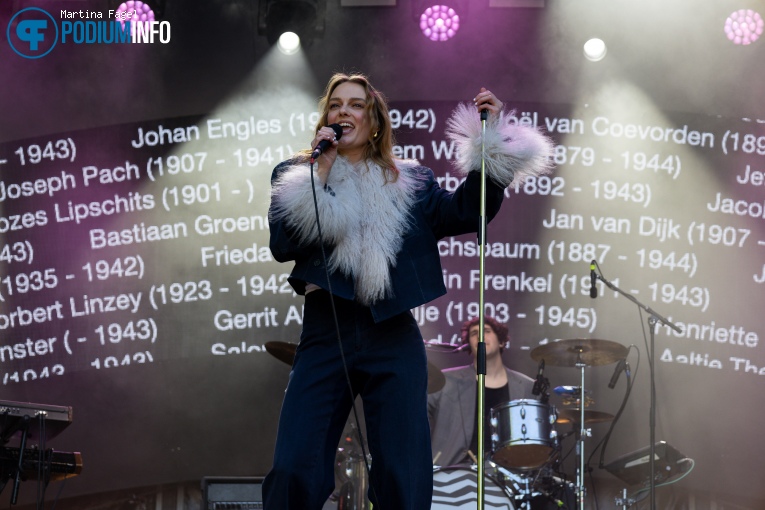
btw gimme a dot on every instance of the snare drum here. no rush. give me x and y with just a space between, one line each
456 487
522 434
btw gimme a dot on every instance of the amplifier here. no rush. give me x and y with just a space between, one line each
232 493
634 468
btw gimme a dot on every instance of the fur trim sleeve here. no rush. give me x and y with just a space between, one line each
292 203
513 153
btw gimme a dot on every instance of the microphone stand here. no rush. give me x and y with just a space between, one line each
653 319
481 347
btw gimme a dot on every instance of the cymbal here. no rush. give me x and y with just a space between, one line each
285 351
571 415
590 351
446 348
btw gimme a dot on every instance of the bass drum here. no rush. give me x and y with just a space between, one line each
456 487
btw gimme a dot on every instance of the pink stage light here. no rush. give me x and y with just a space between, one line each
439 23
744 26
134 11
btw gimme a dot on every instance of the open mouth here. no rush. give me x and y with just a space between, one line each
347 126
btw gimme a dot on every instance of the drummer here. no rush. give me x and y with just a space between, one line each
452 410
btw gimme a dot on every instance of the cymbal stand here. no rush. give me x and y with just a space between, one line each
581 435
625 501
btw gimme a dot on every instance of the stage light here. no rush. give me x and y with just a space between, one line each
595 49
744 26
305 18
138 10
289 43
439 23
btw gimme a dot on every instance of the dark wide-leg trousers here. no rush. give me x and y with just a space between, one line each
388 368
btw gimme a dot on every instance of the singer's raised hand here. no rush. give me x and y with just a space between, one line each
485 100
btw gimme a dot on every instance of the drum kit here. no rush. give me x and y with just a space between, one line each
580 353
525 452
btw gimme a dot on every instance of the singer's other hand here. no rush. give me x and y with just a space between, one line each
485 100
327 158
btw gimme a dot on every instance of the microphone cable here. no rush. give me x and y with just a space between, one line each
339 336
630 384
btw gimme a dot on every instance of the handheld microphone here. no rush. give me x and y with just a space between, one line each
593 288
324 144
540 379
617 372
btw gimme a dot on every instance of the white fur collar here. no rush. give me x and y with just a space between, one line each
365 218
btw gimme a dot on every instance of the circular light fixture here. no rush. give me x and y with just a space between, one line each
439 23
288 43
134 11
595 49
744 26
